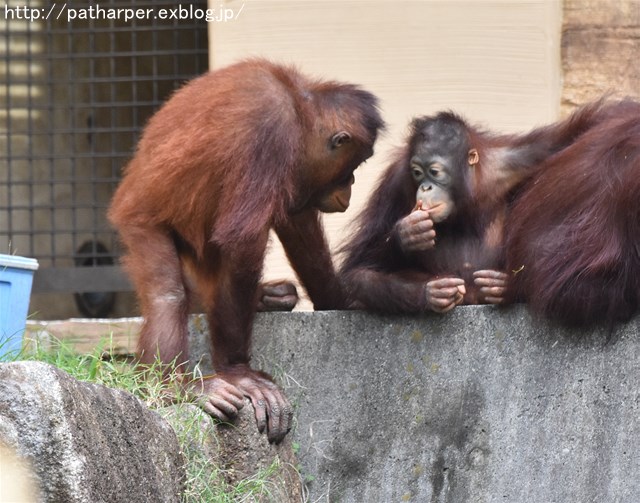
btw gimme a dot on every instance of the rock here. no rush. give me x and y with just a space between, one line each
69 441
245 452
87 442
236 456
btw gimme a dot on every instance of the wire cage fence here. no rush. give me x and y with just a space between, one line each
74 96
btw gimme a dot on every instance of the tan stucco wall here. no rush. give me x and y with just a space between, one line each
496 62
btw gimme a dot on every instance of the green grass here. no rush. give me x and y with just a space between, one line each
205 482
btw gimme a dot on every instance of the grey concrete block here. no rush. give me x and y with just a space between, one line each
479 405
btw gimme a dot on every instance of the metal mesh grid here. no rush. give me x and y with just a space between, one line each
74 97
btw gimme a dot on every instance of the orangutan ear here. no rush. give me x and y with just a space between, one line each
473 158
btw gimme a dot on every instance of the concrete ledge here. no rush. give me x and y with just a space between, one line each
480 405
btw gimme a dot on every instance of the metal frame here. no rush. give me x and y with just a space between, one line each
75 97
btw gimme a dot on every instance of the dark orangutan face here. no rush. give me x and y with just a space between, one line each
440 157
342 155
434 192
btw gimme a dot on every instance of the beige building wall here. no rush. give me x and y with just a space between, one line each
496 62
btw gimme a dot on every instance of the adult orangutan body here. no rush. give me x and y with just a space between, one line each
232 154
439 230
573 233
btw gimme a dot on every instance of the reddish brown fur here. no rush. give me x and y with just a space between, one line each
574 231
232 154
382 277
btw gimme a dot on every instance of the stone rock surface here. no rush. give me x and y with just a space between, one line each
245 452
86 442
235 454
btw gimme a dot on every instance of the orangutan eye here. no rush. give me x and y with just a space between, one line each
417 172
437 172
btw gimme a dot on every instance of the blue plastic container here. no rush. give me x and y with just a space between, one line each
16 278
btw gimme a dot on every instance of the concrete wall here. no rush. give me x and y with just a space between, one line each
480 405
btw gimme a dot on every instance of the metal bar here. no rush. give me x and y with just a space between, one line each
75 101
81 279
